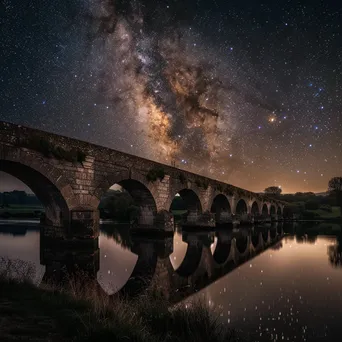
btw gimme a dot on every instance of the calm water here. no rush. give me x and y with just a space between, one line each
273 283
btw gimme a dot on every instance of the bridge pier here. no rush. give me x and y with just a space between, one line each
81 226
224 218
259 219
200 220
162 223
245 219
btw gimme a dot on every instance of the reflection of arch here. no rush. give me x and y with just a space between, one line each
265 235
273 233
241 207
53 198
220 204
255 209
279 212
144 269
191 199
264 210
255 240
222 250
242 244
191 260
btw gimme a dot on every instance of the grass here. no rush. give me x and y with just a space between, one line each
336 212
77 312
21 211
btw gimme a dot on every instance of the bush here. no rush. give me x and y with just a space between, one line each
155 173
228 190
205 184
45 147
198 182
182 178
81 156
219 188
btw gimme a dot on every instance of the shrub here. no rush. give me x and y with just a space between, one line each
155 173
229 190
205 184
198 182
81 156
45 147
182 178
40 145
219 188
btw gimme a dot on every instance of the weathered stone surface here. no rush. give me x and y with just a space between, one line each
66 186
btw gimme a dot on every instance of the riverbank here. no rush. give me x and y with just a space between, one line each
82 313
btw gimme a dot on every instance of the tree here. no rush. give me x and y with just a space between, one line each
273 191
335 189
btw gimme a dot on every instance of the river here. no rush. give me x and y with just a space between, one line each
286 287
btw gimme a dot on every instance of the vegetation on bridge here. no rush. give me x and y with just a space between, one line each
48 150
202 183
155 174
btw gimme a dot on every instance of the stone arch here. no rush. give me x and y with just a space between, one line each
191 199
220 206
273 210
141 191
48 185
241 207
264 210
255 210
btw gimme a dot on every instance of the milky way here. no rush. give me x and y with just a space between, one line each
249 94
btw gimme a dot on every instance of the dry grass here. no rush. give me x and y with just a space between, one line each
80 311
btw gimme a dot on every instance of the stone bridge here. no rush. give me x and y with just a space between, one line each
70 176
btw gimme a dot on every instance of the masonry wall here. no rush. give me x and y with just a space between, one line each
82 185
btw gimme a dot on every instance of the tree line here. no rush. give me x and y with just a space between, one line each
301 203
16 197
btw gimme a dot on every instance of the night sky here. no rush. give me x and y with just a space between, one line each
248 92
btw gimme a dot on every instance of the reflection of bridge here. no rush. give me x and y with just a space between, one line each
199 268
70 176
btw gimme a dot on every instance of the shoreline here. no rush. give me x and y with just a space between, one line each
81 313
